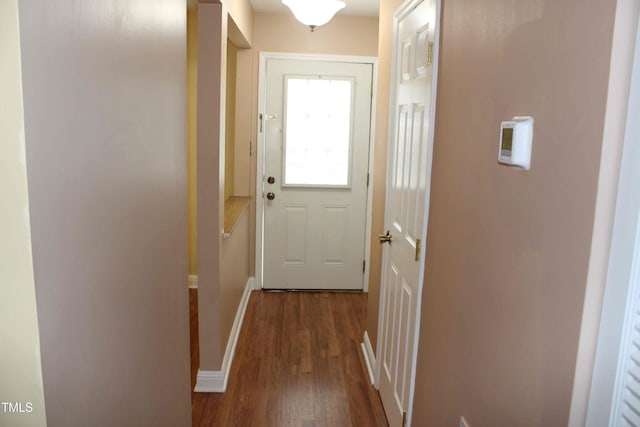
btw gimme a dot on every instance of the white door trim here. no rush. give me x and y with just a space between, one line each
622 282
262 99
404 9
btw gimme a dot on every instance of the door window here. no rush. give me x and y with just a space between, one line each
317 131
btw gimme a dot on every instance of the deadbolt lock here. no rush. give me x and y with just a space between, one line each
271 180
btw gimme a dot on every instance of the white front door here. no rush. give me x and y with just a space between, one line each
316 125
408 183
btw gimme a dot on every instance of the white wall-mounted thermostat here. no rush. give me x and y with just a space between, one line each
515 142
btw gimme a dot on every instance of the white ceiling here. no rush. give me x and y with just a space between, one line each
354 7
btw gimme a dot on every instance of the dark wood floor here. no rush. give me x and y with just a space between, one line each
298 362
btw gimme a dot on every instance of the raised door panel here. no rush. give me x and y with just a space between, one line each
295 235
335 235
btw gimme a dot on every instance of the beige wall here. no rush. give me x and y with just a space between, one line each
104 100
508 250
230 124
234 273
20 370
241 25
192 135
245 147
212 58
220 282
240 13
239 33
344 35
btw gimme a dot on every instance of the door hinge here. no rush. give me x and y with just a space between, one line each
367 180
364 263
430 54
404 419
418 247
250 148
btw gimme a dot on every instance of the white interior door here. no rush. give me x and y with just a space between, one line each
408 182
316 125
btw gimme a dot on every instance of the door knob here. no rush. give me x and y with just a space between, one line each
385 238
271 195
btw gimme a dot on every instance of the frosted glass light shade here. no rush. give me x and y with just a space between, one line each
314 12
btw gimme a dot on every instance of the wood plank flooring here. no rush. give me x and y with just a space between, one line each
298 362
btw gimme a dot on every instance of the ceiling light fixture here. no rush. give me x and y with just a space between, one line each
314 13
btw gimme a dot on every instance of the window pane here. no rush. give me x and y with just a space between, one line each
318 132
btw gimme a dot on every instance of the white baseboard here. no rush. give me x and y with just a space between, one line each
216 381
210 382
193 281
369 357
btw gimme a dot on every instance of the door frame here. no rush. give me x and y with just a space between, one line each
403 10
260 138
622 282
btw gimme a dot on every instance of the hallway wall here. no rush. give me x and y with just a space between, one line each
508 250
212 57
104 99
192 136
240 32
233 275
220 285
